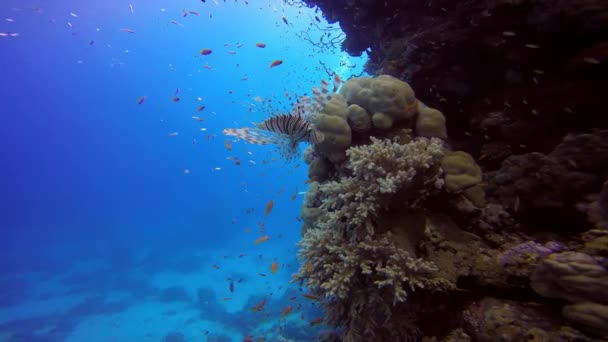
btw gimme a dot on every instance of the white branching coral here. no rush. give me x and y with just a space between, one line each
380 170
361 273
340 267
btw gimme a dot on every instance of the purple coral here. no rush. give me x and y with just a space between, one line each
528 252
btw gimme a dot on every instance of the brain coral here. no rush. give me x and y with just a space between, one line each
386 98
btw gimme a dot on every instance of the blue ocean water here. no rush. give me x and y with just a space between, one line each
113 227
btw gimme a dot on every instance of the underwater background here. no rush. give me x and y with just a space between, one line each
113 230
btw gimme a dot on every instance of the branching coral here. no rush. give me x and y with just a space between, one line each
378 171
363 275
343 266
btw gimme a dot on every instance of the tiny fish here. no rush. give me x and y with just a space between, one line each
127 30
186 171
227 145
232 52
275 63
131 8
311 296
205 52
200 109
269 207
173 134
193 13
285 20
141 100
199 119
259 306
261 239
274 267
73 14
175 99
316 321
260 45
287 311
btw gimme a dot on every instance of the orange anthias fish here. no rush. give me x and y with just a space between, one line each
311 296
316 321
228 146
141 100
274 267
275 63
287 311
259 306
261 239
260 45
269 207
205 52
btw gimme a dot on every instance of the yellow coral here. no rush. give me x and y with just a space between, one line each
430 123
386 98
461 171
331 122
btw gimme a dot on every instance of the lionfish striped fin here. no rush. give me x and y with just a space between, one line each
251 135
337 82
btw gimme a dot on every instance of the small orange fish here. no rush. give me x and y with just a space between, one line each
274 267
228 146
269 207
141 100
261 239
259 306
275 63
205 52
295 194
316 321
200 109
311 296
287 311
260 45
258 99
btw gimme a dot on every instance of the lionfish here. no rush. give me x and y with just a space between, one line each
287 131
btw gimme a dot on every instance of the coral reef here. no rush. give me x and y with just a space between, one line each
401 232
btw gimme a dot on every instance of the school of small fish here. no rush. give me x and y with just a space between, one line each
199 112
